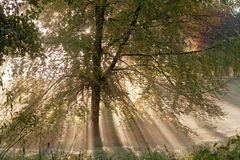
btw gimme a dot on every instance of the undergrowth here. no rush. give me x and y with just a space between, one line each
228 151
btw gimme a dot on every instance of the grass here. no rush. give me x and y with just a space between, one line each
228 151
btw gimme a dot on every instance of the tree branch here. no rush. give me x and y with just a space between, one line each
124 40
167 53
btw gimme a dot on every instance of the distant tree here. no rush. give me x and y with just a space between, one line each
96 49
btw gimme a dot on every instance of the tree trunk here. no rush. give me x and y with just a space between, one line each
95 141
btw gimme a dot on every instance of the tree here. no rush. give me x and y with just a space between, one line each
97 48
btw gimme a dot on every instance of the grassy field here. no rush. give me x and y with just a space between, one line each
228 151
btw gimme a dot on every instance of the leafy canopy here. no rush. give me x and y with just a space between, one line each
18 34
